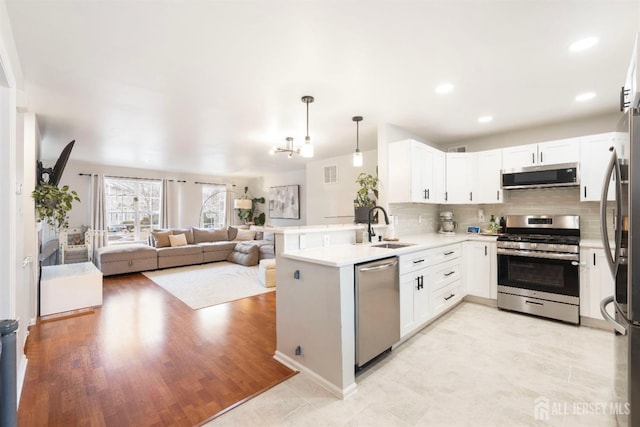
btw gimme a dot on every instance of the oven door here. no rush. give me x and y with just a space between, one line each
556 276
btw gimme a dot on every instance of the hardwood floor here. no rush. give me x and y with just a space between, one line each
146 359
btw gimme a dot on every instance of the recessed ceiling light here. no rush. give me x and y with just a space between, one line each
583 44
585 96
444 88
485 119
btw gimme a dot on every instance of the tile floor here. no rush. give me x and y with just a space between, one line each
475 366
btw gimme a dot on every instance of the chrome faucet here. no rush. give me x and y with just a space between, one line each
370 230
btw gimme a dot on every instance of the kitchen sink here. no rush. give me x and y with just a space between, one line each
392 245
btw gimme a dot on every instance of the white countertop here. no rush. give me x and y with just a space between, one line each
349 254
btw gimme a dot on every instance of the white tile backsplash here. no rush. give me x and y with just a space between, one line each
552 201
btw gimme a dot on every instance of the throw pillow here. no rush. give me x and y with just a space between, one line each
161 238
246 235
178 240
188 233
244 254
233 232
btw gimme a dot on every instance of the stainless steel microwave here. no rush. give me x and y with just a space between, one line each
560 175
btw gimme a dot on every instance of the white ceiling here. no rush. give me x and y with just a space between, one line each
209 86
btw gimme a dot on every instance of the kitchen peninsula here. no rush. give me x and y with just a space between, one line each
315 297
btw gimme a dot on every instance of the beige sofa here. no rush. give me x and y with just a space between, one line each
187 246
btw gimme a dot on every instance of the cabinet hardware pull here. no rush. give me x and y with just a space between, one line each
485 250
446 196
533 158
418 261
534 303
449 297
498 195
594 258
428 197
585 191
541 157
449 253
449 273
471 196
425 194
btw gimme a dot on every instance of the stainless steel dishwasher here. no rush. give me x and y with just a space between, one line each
377 308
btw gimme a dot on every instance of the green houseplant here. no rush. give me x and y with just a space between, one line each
254 214
366 196
53 204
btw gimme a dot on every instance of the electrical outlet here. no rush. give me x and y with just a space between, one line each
326 240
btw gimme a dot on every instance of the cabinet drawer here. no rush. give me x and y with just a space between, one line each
445 273
445 253
414 261
444 298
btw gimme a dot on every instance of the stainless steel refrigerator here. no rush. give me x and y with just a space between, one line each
624 261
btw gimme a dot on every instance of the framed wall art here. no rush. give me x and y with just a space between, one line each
284 202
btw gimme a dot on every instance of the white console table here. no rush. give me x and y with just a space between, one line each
69 287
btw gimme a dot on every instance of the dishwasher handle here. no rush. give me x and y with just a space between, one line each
379 267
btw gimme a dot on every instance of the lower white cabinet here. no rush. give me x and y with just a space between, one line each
596 282
481 276
430 283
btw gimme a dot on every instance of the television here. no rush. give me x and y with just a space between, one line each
52 175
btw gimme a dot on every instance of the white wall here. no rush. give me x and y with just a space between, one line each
296 177
333 203
568 129
188 195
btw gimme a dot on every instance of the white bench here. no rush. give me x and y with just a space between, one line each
69 287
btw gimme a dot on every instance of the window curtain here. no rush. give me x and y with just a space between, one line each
98 220
168 194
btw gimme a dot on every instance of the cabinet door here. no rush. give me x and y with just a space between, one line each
459 178
414 301
519 156
598 284
594 157
487 188
439 176
560 151
422 174
415 171
478 262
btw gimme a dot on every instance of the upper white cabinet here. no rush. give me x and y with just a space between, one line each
594 158
487 186
460 174
416 173
544 153
474 177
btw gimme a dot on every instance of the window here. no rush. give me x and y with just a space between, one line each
214 209
132 208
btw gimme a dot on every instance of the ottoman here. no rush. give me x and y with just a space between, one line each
130 258
267 273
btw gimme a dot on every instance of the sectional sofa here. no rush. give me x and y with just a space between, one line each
187 246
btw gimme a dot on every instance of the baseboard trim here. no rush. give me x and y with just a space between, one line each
481 300
21 374
331 388
595 323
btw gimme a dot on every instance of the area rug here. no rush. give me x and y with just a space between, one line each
205 285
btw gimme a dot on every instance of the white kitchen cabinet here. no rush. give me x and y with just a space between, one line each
486 183
460 175
544 153
414 295
594 158
596 282
445 278
480 265
414 173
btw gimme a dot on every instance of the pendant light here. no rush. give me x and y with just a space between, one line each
357 156
288 148
307 148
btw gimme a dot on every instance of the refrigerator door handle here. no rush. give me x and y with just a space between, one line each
603 310
613 167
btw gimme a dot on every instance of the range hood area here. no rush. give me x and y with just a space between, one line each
558 175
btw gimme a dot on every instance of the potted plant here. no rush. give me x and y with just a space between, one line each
53 204
253 215
366 196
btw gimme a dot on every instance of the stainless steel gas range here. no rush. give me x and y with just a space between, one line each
538 266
